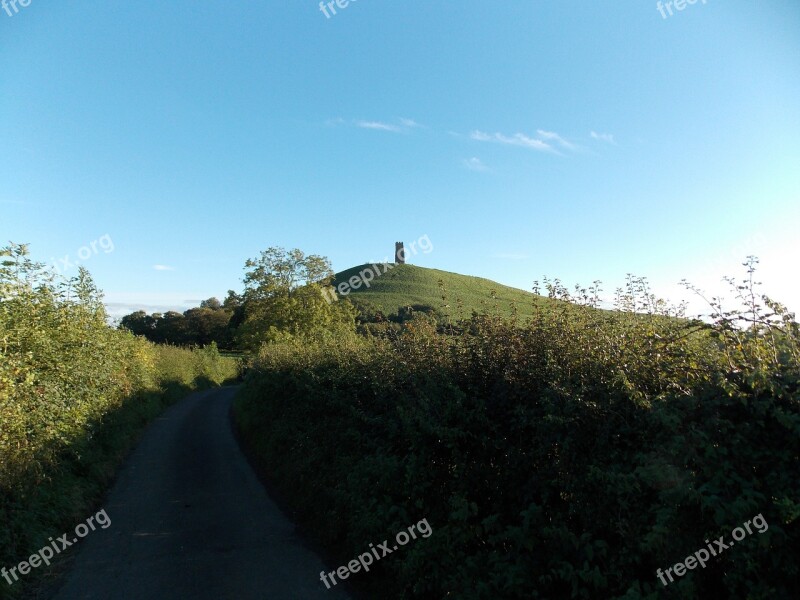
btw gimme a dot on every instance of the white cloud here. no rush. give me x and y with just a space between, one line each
550 135
402 125
518 139
410 123
603 137
163 268
378 125
475 164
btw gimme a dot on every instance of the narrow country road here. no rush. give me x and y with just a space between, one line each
189 519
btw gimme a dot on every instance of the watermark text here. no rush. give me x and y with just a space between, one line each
14 5
365 559
84 253
46 554
679 5
701 556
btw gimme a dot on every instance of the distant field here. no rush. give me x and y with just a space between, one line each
407 285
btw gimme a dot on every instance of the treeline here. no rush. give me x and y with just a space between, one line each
283 296
74 393
211 322
571 456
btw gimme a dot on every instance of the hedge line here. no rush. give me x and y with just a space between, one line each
74 394
570 457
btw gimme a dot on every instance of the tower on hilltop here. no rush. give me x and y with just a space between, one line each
399 253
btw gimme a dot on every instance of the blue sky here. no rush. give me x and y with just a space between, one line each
525 138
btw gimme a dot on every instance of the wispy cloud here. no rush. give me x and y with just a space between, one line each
518 139
475 164
379 125
411 123
554 137
603 137
400 125
163 268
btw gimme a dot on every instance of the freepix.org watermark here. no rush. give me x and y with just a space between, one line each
84 253
365 560
666 7
367 276
701 556
46 554
9 5
331 6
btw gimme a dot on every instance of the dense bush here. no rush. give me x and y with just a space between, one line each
73 394
567 457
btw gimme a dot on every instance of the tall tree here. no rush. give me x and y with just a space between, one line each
204 325
139 323
280 272
211 303
283 295
170 328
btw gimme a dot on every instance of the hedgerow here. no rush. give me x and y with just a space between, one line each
73 395
566 457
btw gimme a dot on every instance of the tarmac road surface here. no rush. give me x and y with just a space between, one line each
190 520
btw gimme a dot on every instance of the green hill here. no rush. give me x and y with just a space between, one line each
409 285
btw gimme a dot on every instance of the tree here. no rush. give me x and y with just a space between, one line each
139 323
232 301
278 272
171 329
195 327
211 303
284 295
204 325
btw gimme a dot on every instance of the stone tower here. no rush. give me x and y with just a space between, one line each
399 253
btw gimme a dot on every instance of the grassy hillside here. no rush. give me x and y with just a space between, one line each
408 285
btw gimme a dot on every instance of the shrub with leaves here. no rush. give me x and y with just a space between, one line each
73 394
569 456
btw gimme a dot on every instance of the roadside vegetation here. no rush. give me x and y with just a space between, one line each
74 395
567 454
557 449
